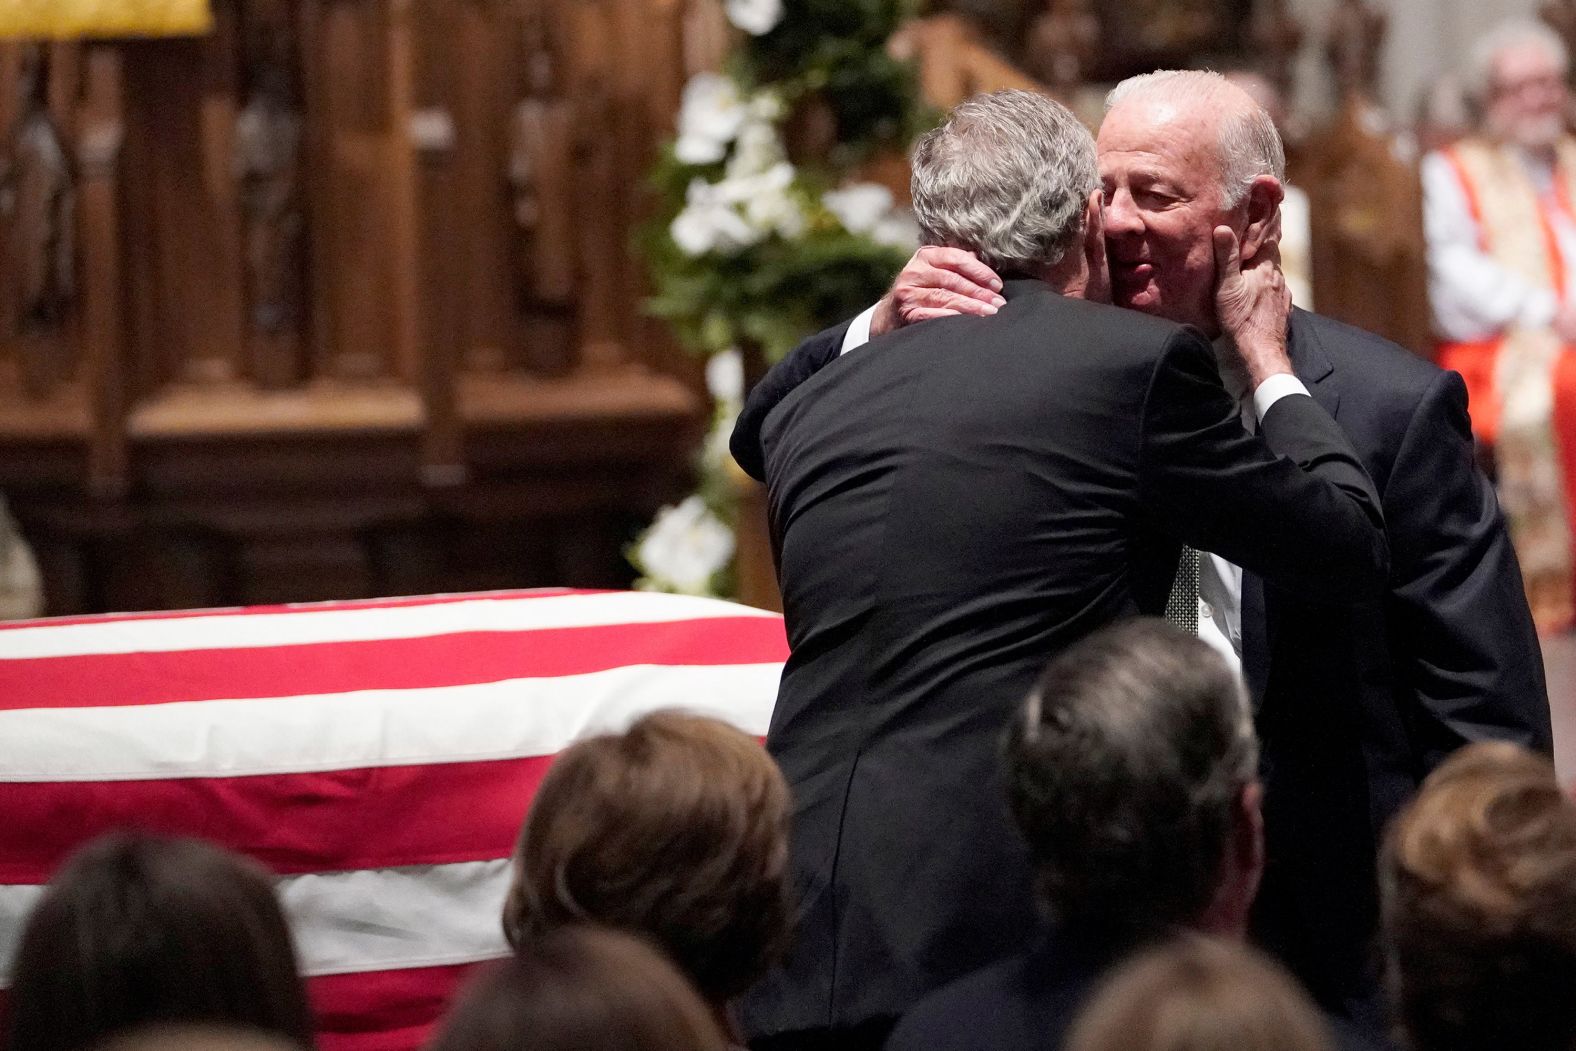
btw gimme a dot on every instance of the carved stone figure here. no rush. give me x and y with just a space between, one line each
542 137
1356 36
1276 37
1063 43
39 197
268 165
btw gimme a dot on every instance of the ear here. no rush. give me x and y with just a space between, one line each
1249 844
1263 215
1098 289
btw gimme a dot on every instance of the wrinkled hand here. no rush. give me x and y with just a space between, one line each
938 282
1253 305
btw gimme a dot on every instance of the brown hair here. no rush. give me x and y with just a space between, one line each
675 829
1478 881
136 930
1199 994
577 988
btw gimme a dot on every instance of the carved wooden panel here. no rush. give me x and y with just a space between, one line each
298 308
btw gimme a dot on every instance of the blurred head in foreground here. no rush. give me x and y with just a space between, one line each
675 829
1198 994
1133 773
1478 883
578 988
138 930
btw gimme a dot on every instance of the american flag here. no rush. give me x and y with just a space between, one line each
378 756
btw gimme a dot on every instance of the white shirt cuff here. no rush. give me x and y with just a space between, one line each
1273 390
858 333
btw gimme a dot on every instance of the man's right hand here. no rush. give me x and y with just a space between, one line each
938 282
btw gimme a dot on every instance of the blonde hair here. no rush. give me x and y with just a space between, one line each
1478 886
1198 994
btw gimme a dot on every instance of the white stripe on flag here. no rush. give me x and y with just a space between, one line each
307 627
381 919
365 920
367 728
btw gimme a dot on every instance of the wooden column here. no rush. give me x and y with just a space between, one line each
98 151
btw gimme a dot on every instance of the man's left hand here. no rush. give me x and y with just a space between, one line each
938 282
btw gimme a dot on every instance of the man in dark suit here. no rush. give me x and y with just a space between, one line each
1355 702
953 509
1171 842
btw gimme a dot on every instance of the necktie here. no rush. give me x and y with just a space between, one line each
1182 603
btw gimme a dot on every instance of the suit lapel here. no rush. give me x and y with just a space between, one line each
1312 365
1310 362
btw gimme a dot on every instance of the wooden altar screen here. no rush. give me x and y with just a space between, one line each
337 300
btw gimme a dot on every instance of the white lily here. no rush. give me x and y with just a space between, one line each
755 17
685 547
709 118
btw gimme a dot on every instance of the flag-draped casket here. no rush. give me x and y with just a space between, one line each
378 756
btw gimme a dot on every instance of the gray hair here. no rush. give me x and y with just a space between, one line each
1007 177
1513 32
1124 768
1249 144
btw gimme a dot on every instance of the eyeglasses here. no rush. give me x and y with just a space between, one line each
1539 83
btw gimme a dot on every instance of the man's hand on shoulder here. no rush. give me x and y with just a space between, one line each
938 282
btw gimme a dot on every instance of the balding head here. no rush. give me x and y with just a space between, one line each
1244 132
1180 154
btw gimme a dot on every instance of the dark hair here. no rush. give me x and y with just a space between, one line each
676 829
577 988
137 930
1198 994
1125 767
1478 881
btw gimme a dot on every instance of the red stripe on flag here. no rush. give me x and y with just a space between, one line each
394 1010
117 679
380 817
305 607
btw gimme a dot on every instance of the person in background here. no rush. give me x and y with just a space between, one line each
1198 994
1479 892
1501 233
579 989
676 830
137 930
1132 772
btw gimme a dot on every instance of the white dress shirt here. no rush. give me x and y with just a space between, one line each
1219 581
1474 297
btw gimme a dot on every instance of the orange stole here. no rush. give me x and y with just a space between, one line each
1521 387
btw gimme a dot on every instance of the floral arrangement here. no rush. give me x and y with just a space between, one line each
764 233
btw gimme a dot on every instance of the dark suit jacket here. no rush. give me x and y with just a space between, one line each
1027 1003
1357 702
949 510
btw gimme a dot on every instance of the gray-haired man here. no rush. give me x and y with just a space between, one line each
950 512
